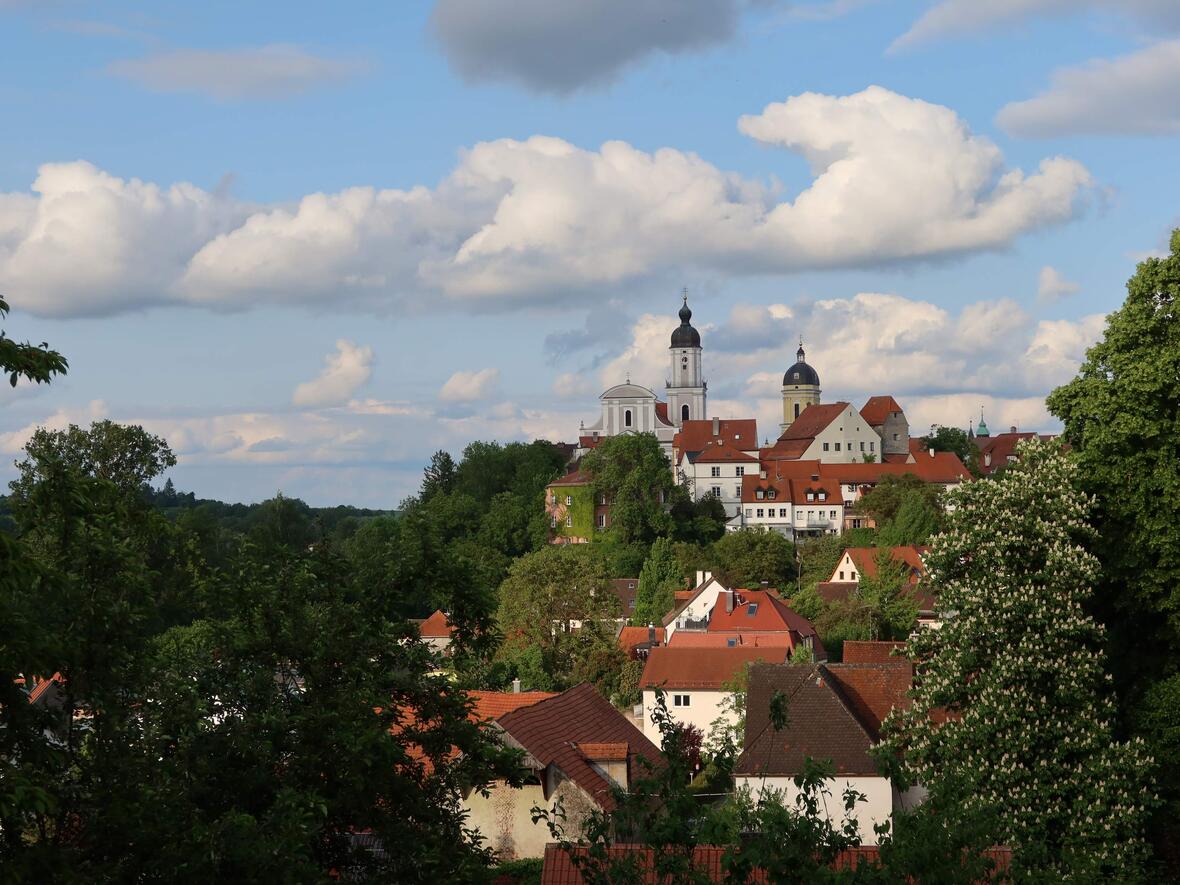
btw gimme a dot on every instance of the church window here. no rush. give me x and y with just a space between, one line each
796 408
741 471
626 417
714 471
684 412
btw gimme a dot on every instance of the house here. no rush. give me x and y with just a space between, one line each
693 606
834 712
711 457
884 415
794 505
637 642
436 631
577 748
575 512
832 432
857 563
697 681
761 612
625 589
997 452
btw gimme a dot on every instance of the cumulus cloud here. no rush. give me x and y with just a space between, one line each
561 45
1052 285
573 385
344 372
277 71
518 222
950 18
468 387
1132 94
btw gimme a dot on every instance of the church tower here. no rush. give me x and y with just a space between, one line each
800 388
686 389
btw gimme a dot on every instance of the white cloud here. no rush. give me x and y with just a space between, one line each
950 18
1133 94
469 387
1052 285
573 385
12 441
562 45
275 71
344 372
521 222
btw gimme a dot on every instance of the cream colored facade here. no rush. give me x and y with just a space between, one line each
796 398
505 818
707 590
847 439
701 707
877 807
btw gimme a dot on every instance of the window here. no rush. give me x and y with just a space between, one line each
569 500
895 437
569 520
739 471
811 496
841 574
752 610
716 491
770 494
837 447
796 410
832 515
602 520
731 643
782 512
684 412
680 700
553 500
749 512
553 522
626 417
826 447
714 471
823 496
602 500
862 446
737 491
759 512
760 494
872 445
852 487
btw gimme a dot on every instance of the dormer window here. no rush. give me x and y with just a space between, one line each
823 496
811 496
759 494
770 494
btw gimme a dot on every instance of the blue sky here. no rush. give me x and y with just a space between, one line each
310 244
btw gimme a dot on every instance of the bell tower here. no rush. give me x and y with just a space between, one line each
800 388
685 387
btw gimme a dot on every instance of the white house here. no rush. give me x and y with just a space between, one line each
696 681
795 506
711 458
830 433
834 712
693 613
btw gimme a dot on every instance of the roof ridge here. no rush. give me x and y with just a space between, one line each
833 682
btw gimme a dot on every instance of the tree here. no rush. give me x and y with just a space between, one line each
915 522
659 579
439 475
953 439
1028 726
633 473
1120 415
543 593
748 557
35 363
884 501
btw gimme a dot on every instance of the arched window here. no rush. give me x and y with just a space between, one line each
796 410
684 412
626 417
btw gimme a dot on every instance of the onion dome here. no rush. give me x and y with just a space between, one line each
685 335
801 373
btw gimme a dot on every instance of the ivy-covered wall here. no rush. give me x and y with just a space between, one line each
581 509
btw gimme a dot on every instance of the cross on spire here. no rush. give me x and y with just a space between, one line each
684 292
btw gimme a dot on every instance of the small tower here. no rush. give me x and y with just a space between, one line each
981 428
800 388
686 388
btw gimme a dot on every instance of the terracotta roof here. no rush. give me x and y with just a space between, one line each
757 610
873 689
1001 447
813 420
494 704
836 591
43 686
865 559
662 413
720 453
589 442
861 651
631 637
943 467
890 458
708 668
695 436
790 490
573 478
560 869
436 627
616 752
877 409
745 639
549 731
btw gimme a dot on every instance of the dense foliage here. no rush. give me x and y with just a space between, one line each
1013 714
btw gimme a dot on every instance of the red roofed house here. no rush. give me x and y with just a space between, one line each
637 642
884 415
796 505
833 432
576 745
436 631
858 562
711 457
834 712
997 452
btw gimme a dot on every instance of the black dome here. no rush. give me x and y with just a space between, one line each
801 373
685 335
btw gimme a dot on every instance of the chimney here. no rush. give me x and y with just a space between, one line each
651 634
516 686
766 585
717 426
762 473
729 602
1012 429
931 453
700 578
708 575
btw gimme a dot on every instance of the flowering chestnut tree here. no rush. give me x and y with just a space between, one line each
1012 713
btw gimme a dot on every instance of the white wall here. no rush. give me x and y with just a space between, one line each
848 430
700 606
730 481
877 808
704 705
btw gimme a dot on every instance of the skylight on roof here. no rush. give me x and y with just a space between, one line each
753 609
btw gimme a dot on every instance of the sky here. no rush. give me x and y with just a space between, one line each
310 244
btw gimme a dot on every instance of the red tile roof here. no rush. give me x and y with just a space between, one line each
630 637
813 420
943 467
573 478
589 442
708 668
862 651
43 686
560 869
760 610
790 490
695 436
494 704
436 627
865 559
877 409
616 752
746 639
1001 447
550 730
721 453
